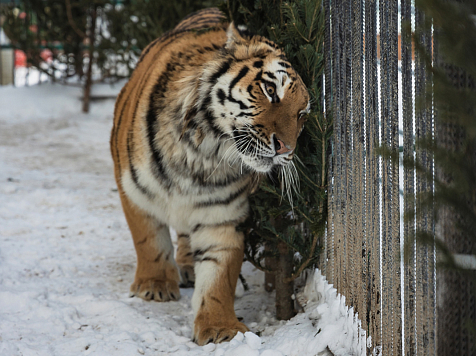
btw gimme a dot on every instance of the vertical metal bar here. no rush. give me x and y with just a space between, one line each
347 289
386 295
340 136
13 69
432 315
327 262
424 253
391 286
374 315
395 169
358 159
420 128
409 175
346 105
1 66
336 70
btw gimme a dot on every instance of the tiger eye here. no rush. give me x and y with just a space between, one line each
270 90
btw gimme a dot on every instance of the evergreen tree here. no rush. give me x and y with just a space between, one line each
91 40
131 25
69 31
286 226
40 28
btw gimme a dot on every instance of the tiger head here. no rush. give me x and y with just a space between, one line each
258 99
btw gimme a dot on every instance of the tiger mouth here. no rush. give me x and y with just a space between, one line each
264 163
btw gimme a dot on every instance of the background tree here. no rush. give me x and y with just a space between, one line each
132 24
285 226
59 38
85 41
41 30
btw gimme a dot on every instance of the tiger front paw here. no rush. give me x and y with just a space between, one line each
154 289
207 332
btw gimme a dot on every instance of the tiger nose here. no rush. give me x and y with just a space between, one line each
279 146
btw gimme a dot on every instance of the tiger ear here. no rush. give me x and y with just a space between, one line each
234 37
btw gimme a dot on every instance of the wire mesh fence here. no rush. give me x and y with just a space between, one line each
373 78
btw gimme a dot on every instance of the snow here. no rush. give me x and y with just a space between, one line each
67 259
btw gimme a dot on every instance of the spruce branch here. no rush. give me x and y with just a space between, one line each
307 262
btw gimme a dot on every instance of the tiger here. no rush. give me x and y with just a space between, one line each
207 110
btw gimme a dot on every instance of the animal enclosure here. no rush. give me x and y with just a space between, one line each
372 83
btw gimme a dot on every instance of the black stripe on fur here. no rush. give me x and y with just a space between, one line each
249 89
226 201
221 96
285 65
209 117
233 83
225 66
134 176
157 93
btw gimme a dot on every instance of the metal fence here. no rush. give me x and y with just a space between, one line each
372 80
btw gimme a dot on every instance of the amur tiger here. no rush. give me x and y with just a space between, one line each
206 110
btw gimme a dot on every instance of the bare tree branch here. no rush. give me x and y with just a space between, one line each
71 20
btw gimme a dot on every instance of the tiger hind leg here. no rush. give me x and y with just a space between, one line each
218 255
184 261
156 276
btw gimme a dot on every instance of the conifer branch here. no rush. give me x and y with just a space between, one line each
306 263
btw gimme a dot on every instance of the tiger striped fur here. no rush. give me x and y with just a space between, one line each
206 110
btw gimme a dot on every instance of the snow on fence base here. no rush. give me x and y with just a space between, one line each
327 328
337 324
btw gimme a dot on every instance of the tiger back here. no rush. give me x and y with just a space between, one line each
205 112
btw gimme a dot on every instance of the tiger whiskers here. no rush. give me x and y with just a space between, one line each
231 148
289 182
239 135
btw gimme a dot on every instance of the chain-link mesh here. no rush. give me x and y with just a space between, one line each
364 57
456 290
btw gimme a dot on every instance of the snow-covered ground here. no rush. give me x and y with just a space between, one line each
67 259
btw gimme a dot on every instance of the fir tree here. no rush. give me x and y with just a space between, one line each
286 227
69 30
133 24
36 26
91 40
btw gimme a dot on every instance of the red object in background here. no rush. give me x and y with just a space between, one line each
20 57
46 55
